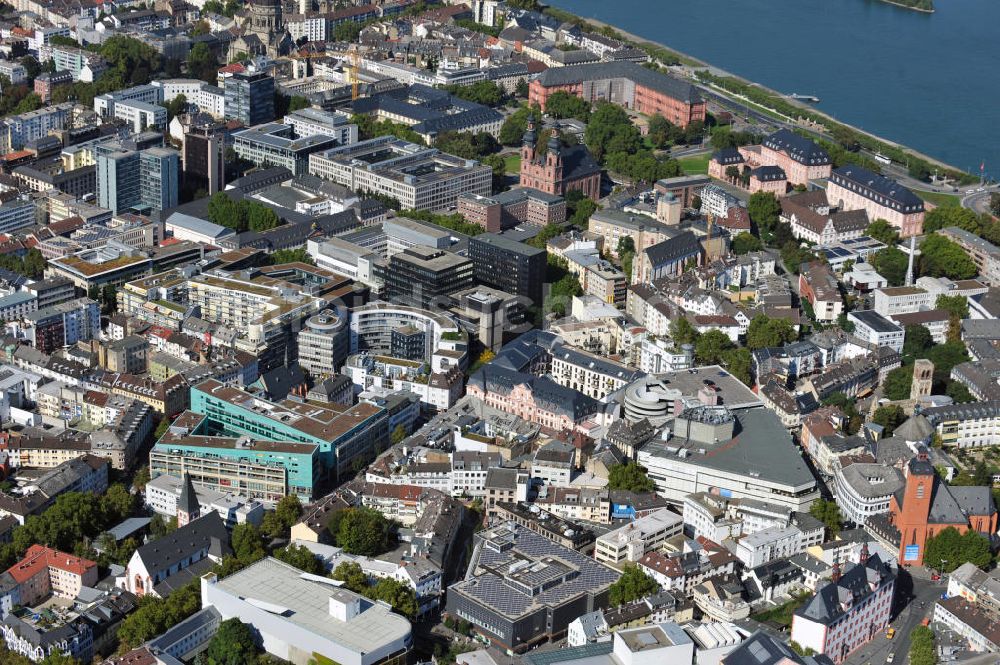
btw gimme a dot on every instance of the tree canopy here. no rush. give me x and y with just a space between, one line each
764 331
940 257
241 215
234 643
765 211
632 585
629 476
745 242
891 263
827 512
362 531
923 648
889 416
300 557
883 231
562 104
948 550
898 383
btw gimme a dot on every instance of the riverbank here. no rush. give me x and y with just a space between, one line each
772 101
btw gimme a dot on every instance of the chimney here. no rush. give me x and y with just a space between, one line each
863 558
835 577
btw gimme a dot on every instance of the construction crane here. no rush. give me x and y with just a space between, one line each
354 78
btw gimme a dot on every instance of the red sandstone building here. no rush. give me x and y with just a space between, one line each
625 84
853 187
561 169
802 160
926 506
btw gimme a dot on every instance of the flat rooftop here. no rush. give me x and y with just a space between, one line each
761 447
306 603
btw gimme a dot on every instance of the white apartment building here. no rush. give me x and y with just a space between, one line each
469 469
902 300
707 516
163 492
769 544
314 122
972 425
17 130
208 98
864 490
644 534
589 373
657 355
876 329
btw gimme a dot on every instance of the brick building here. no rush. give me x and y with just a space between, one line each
625 84
928 506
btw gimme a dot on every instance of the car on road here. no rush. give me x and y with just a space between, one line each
891 633
890 657
970 191
935 577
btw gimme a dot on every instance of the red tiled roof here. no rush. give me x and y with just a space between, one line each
17 154
235 68
39 558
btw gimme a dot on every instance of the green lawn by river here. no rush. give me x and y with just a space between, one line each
938 198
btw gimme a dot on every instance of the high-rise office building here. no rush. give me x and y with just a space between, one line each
144 180
118 180
159 169
250 98
508 265
418 275
204 163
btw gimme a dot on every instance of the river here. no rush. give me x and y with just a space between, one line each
930 81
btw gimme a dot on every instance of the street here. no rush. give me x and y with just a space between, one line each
923 591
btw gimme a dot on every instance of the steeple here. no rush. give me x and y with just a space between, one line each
529 137
909 265
188 508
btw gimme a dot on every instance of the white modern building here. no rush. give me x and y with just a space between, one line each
876 329
163 492
902 300
313 122
302 617
864 490
630 542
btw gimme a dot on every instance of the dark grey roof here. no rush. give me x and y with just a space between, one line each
279 381
799 148
673 249
762 649
769 173
969 411
667 85
875 321
164 552
872 184
974 500
888 479
826 606
183 577
728 157
577 161
188 500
